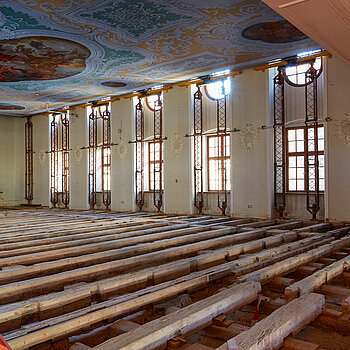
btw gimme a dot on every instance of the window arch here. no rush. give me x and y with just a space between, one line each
152 102
296 75
219 89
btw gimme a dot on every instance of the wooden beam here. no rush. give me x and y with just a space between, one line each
34 255
136 280
187 320
118 307
218 237
268 273
269 333
319 278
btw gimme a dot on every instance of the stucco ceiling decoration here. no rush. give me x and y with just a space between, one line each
56 53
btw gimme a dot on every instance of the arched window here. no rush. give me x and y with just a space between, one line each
152 102
295 75
217 90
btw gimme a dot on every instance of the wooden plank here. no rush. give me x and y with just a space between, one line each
158 332
297 344
337 290
61 235
117 284
37 286
269 333
339 255
64 250
322 227
268 273
315 281
120 308
345 305
210 238
123 326
195 347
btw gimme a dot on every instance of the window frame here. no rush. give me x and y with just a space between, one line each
150 162
207 88
296 154
227 157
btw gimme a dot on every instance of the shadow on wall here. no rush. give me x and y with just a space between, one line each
296 206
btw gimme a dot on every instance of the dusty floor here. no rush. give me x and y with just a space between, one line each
327 340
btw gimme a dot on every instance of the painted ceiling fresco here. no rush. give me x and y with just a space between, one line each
56 53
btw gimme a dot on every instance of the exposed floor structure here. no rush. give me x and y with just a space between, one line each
92 279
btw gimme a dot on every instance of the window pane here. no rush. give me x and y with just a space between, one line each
321 145
300 134
292 185
300 185
291 70
321 160
292 161
300 173
300 146
322 185
292 173
292 146
321 173
300 161
321 132
291 135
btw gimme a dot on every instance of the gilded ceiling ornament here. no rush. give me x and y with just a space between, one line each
342 128
78 153
249 136
177 144
42 157
122 150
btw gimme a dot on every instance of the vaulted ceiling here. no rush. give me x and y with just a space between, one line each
57 53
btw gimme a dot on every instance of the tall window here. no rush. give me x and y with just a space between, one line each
219 166
99 123
298 140
154 162
59 158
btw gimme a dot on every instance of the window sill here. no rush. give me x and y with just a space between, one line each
301 193
214 192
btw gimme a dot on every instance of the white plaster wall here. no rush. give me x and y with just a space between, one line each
123 175
338 152
11 169
41 172
177 167
78 169
251 183
18 176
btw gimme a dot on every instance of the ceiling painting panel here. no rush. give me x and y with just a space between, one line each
53 53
